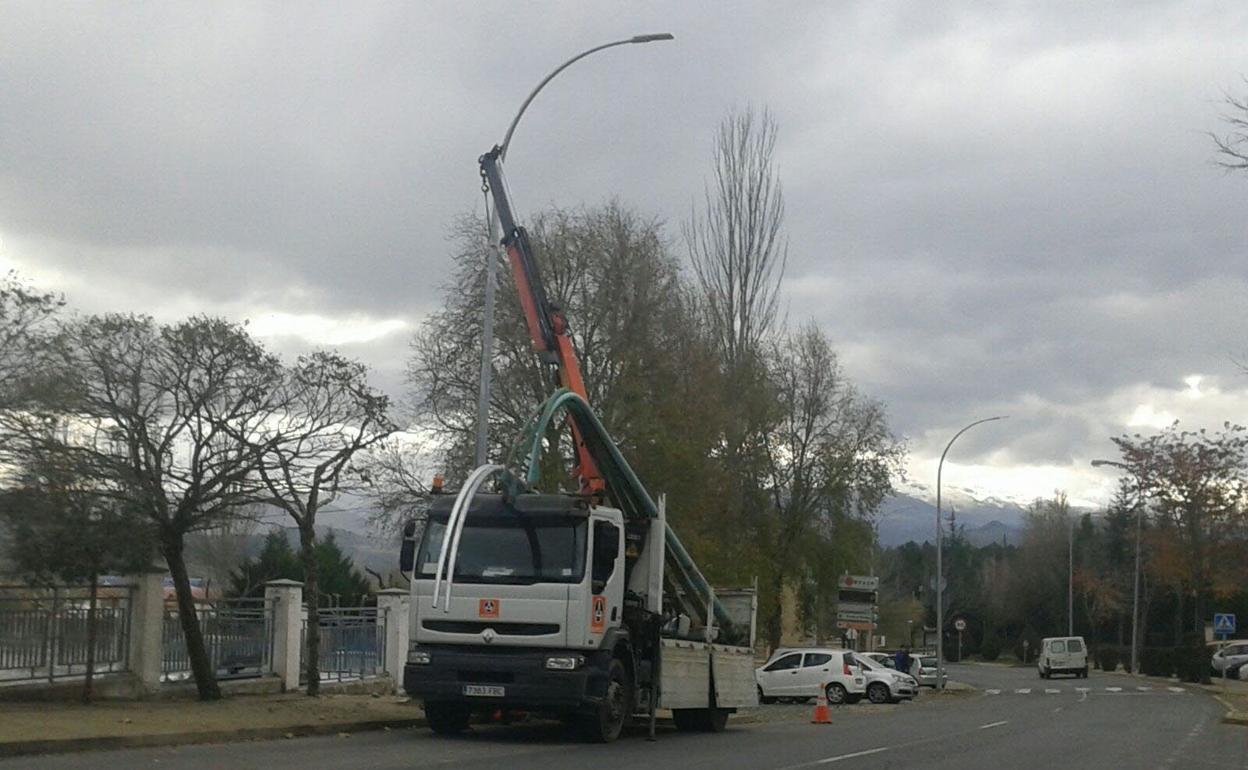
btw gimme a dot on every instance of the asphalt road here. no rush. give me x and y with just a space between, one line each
1014 720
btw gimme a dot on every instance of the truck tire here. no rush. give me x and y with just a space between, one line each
447 718
700 720
605 723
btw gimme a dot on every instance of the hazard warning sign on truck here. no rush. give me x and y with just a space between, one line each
598 615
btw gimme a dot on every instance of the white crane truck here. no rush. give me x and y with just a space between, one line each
583 605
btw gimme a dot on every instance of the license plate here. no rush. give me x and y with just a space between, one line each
484 690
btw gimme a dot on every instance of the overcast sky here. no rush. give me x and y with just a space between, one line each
1006 209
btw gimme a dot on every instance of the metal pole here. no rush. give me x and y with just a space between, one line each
1135 601
487 322
1070 581
940 598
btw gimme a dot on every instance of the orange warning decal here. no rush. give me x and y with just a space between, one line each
488 608
598 615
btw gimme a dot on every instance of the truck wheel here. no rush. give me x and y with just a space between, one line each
447 718
605 723
700 720
878 692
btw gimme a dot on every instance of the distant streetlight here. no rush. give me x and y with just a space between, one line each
1135 601
940 589
487 330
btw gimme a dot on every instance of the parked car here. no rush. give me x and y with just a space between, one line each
923 668
1231 658
801 673
883 658
884 684
1062 655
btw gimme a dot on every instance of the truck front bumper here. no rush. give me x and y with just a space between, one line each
453 671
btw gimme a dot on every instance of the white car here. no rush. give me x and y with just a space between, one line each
1063 655
884 684
801 673
1230 658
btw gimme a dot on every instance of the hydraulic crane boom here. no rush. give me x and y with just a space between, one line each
548 327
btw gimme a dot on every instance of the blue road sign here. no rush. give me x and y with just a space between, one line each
1224 623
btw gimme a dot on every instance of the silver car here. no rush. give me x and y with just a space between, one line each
1230 659
923 669
884 685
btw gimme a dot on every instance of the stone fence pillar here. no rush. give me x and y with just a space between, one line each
147 617
285 597
394 607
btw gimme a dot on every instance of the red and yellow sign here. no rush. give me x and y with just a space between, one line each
598 615
488 608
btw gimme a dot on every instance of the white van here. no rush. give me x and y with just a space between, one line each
1063 655
802 673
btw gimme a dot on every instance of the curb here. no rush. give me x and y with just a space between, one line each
114 742
1231 717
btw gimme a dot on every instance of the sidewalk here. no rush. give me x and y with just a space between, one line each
40 728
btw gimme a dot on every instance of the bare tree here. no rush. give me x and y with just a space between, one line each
26 319
328 415
1232 147
736 241
145 413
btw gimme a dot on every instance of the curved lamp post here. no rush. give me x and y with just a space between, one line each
487 331
940 574
1135 600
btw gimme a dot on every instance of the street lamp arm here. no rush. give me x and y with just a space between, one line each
502 155
964 430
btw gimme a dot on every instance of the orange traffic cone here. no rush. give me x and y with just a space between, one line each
821 717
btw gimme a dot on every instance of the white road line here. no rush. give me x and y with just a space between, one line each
1144 689
1059 708
1051 691
1113 689
1176 689
1083 693
994 724
1023 691
830 760
993 692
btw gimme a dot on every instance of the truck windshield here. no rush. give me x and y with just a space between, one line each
514 550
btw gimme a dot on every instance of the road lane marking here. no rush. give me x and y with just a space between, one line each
1176 689
1051 691
1143 689
993 692
840 757
1113 689
1083 693
1059 708
1023 691
994 724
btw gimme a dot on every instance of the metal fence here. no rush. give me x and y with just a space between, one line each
44 632
238 635
353 643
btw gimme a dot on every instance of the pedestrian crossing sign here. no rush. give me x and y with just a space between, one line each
1224 623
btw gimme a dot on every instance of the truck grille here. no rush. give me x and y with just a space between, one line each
485 677
476 627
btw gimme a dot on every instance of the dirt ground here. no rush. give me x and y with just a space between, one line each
53 721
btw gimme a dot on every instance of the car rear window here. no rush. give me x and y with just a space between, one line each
928 662
1074 645
1058 646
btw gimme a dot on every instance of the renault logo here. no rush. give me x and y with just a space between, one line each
487 635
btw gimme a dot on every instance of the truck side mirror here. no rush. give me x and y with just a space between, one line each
407 551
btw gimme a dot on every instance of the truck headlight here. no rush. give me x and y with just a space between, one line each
419 657
565 662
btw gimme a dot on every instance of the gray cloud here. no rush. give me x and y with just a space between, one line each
1007 209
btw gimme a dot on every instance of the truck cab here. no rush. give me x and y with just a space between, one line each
529 614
